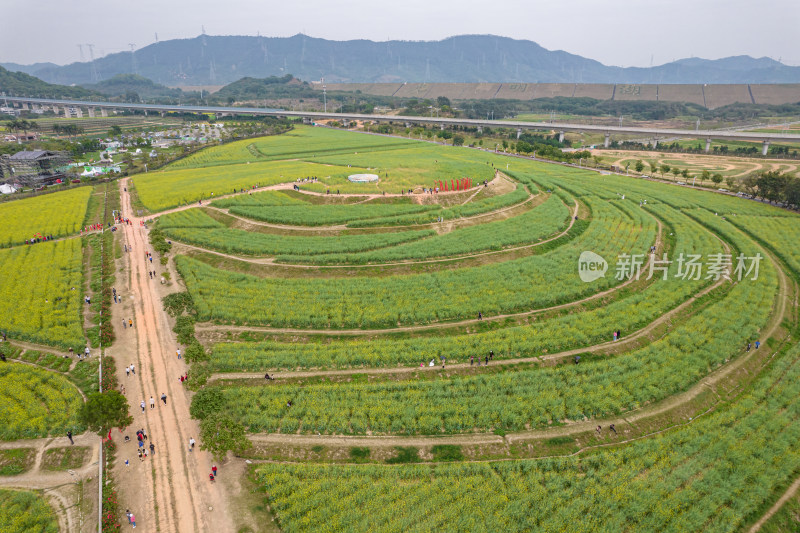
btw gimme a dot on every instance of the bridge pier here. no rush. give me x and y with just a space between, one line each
480 129
655 143
306 120
346 123
561 136
103 112
708 145
441 127
607 141
765 148
90 110
519 133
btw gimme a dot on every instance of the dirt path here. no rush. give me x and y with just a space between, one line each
172 492
336 228
629 418
435 325
628 341
58 486
788 495
271 260
290 186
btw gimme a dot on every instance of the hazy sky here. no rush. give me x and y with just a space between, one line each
615 32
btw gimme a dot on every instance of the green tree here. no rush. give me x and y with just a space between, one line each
717 178
705 176
676 172
685 173
793 192
114 131
444 134
220 434
639 166
653 167
505 144
458 140
105 410
750 184
664 169
524 147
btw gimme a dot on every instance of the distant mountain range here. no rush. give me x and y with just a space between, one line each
207 60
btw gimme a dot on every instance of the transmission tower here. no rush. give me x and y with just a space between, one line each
133 58
93 66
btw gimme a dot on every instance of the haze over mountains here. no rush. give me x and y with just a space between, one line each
218 60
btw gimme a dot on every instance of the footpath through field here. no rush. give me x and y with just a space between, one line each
171 491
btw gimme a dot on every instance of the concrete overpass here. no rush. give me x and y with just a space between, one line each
561 128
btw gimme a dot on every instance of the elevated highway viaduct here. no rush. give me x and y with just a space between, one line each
561 128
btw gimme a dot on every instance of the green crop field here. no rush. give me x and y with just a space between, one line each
199 229
53 215
708 476
415 304
41 296
558 350
21 510
36 403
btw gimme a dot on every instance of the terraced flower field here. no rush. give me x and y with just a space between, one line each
352 350
558 350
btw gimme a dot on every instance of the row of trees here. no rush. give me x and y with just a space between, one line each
773 186
724 149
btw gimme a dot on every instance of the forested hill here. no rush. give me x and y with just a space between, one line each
25 84
207 60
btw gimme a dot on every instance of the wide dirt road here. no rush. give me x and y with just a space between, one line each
171 490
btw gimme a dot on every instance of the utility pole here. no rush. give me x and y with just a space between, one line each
324 95
80 47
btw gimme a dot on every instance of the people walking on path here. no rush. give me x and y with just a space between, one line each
152 449
127 371
164 398
133 369
69 436
179 353
191 444
214 470
142 404
152 403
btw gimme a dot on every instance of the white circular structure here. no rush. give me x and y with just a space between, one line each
362 178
